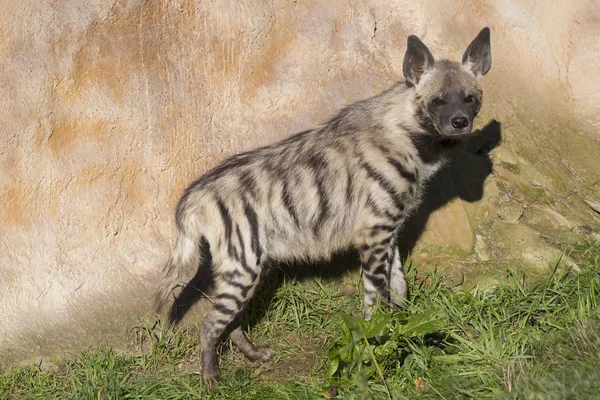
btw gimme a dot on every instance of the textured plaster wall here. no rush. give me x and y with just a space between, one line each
109 108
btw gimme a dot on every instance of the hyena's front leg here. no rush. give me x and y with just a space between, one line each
398 287
383 273
374 254
232 294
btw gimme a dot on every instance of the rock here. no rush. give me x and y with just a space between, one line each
506 156
547 219
505 174
522 242
548 256
510 213
557 219
587 232
449 226
481 248
595 205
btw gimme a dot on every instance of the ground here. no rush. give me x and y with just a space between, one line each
524 339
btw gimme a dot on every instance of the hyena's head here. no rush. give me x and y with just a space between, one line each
447 94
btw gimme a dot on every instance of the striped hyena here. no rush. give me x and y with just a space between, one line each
349 183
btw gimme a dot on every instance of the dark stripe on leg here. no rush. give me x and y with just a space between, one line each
223 309
228 228
375 229
348 187
231 297
375 258
381 213
222 322
318 165
369 262
244 289
385 242
323 206
379 251
253 221
409 176
377 281
243 262
231 275
383 257
392 257
380 269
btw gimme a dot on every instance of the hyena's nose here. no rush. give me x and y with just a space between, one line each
460 122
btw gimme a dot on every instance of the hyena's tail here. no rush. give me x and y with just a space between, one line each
186 259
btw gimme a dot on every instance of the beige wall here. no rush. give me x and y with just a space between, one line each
109 108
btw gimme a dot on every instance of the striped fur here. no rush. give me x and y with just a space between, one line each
349 183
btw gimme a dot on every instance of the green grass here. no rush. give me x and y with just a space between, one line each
524 340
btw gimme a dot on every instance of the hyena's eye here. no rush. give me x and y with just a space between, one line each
438 102
469 99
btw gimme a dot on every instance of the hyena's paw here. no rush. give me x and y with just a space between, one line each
397 301
211 377
262 353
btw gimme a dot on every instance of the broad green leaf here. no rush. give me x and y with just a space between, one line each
357 325
351 321
334 362
369 371
360 353
422 324
346 336
377 323
386 349
346 352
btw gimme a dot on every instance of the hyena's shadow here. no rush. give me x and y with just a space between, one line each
463 177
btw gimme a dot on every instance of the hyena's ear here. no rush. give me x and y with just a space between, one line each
478 56
417 60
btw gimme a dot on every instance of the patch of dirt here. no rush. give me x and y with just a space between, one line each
298 362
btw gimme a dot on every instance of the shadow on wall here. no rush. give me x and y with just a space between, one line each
462 177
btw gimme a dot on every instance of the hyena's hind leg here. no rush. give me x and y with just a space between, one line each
231 296
379 255
252 353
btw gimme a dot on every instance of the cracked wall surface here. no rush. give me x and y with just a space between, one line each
108 109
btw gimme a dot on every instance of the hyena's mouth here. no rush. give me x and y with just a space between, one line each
447 130
451 131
